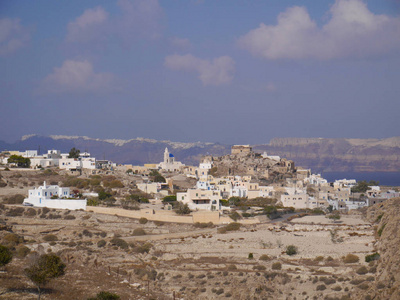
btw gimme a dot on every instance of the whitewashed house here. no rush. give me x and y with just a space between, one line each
199 199
53 196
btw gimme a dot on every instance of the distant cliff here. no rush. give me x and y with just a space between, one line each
319 154
337 155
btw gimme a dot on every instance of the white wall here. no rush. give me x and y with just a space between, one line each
57 203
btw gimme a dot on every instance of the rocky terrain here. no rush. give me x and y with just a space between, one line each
139 259
386 217
319 154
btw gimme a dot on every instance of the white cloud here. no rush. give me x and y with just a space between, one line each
139 18
88 26
12 36
77 77
180 43
352 31
216 72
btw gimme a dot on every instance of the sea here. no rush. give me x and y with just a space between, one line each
384 178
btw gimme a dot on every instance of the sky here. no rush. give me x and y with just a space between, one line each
227 71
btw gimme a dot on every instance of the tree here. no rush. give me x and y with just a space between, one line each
19 161
156 176
182 209
45 268
5 255
74 153
363 186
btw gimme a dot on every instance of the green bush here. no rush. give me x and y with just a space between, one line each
138 232
372 257
105 296
5 255
182 209
291 250
351 258
381 229
250 256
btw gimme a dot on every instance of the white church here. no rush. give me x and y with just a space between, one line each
169 164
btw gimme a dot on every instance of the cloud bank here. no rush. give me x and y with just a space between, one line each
352 31
77 77
87 26
219 71
12 36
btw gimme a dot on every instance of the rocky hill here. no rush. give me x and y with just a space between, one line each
386 216
319 154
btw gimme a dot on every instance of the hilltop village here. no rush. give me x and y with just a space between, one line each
216 184
236 226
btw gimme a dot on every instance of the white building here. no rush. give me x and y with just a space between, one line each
169 164
198 199
53 196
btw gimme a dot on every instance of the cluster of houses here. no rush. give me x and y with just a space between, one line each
305 191
54 158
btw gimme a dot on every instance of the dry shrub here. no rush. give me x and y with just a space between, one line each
14 199
276 266
232 268
138 232
30 212
362 270
120 243
337 288
22 251
203 225
101 243
12 239
143 220
69 217
15 212
351 258
230 227
50 238
327 280
319 258
321 287
264 257
143 248
259 268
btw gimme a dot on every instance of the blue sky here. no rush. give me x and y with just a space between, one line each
219 71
